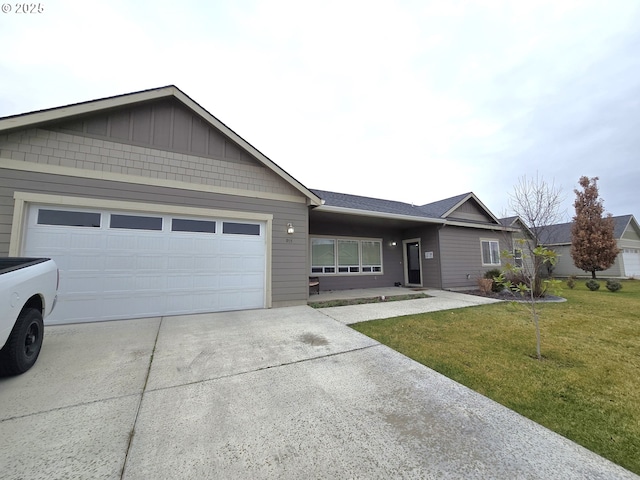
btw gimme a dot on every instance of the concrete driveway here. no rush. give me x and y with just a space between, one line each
280 393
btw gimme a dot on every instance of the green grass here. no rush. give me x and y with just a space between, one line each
586 388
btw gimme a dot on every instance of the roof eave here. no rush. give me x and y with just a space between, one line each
395 216
39 117
374 214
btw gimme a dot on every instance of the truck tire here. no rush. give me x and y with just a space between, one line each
24 343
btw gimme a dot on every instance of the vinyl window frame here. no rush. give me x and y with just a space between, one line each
340 266
493 251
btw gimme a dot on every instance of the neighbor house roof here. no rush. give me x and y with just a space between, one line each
560 234
55 115
435 212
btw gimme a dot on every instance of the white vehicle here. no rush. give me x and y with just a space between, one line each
28 293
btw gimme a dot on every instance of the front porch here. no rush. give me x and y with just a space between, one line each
329 295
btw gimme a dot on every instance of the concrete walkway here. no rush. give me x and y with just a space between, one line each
439 300
284 393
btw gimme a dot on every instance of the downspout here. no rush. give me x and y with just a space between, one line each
440 254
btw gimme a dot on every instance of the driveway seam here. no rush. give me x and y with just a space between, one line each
64 407
144 389
268 367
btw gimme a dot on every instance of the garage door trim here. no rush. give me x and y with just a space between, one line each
24 199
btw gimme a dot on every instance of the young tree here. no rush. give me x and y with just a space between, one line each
528 272
537 203
593 247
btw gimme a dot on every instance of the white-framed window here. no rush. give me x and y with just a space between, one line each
346 256
490 252
518 254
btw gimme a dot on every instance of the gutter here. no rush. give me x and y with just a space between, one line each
411 218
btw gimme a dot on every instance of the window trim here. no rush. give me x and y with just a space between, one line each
85 213
351 270
491 259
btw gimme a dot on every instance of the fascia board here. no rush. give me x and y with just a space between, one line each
501 228
393 216
60 113
370 213
185 99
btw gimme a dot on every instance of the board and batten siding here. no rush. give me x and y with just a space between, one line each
461 255
470 210
289 252
95 155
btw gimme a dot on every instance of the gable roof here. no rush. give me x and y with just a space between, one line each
560 234
67 112
435 212
516 222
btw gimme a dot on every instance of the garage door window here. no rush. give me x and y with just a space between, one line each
71 219
185 225
240 228
135 222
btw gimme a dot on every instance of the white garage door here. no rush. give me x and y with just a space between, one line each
631 259
116 265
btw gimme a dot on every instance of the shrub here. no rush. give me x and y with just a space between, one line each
571 282
495 286
592 285
613 285
485 284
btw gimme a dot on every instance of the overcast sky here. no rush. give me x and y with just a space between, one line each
413 101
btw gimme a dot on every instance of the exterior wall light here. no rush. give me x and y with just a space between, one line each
290 229
393 244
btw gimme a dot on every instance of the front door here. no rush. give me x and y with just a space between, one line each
412 262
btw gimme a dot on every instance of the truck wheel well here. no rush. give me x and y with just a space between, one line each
34 302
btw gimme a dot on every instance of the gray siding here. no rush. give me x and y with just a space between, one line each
289 254
391 255
566 267
461 255
470 210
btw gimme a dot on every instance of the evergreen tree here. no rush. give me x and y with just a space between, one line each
593 247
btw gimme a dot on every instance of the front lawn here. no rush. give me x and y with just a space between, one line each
587 387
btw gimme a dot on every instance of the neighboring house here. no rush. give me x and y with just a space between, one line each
151 206
523 241
626 233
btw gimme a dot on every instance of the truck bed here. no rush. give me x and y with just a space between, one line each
16 263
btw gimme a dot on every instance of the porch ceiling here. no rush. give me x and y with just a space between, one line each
366 220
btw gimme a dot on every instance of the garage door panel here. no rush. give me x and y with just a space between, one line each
122 306
631 260
87 240
252 263
252 281
79 283
70 309
150 262
181 282
210 281
108 273
199 302
88 262
252 297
